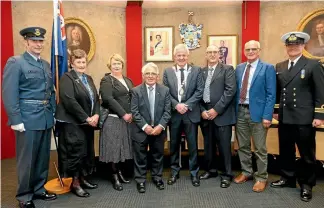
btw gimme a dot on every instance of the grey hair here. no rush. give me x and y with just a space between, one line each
150 65
253 41
180 47
210 46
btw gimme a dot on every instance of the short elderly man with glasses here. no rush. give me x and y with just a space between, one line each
255 97
151 109
218 114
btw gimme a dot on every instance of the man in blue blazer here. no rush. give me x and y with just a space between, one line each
256 96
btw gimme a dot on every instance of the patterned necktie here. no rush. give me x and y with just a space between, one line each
151 100
243 92
206 95
182 78
86 84
291 66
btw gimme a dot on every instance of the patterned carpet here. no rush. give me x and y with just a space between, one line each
181 194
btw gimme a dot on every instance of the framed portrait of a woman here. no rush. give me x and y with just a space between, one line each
313 24
79 36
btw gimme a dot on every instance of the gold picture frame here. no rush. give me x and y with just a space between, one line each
313 24
228 46
79 30
158 43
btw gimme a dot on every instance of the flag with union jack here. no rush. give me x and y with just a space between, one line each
59 48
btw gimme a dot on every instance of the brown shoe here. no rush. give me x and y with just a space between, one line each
259 186
242 179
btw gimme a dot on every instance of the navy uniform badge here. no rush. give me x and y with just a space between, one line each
302 74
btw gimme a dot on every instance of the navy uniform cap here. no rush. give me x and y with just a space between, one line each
293 38
33 33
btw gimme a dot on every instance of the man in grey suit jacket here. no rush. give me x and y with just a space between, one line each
151 109
186 88
218 113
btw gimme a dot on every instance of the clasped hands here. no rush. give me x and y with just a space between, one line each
211 114
149 130
181 108
128 117
93 120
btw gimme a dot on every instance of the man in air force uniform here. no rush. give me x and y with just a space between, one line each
29 100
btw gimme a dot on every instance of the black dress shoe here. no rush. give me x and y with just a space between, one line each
207 175
122 178
45 196
116 183
195 181
305 195
141 187
87 185
28 204
173 179
79 191
159 184
225 183
282 183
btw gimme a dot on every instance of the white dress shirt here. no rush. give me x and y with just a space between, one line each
252 70
148 92
295 61
178 74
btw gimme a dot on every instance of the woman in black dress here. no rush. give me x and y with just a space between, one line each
77 116
115 142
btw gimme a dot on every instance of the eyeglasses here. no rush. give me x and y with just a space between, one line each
152 74
212 52
251 49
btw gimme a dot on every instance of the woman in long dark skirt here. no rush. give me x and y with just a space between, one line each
77 116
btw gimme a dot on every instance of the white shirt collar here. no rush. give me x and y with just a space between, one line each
295 61
253 64
147 86
185 67
214 67
34 57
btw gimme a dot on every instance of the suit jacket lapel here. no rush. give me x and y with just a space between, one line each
241 74
174 78
189 77
218 69
290 75
205 73
31 60
80 83
145 96
256 72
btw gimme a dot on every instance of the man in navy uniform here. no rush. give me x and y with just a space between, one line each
29 100
300 84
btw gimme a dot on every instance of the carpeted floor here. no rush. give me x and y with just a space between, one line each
182 194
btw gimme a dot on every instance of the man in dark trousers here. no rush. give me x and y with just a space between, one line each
29 100
300 84
151 109
186 90
218 114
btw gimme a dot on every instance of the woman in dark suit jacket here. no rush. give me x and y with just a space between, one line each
77 115
115 142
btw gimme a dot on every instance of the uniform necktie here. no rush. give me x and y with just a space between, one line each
151 100
206 95
291 66
243 92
